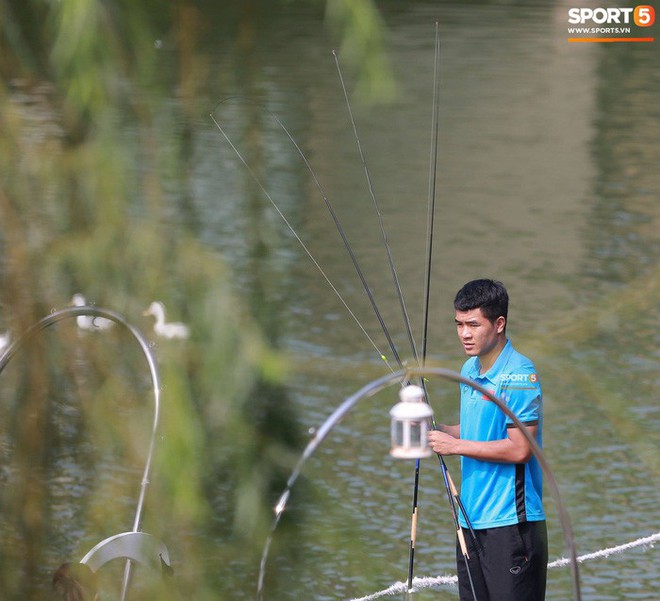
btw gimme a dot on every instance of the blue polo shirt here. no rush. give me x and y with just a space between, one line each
501 494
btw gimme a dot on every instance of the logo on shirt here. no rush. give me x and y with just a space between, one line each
519 381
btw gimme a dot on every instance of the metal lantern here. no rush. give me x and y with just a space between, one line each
410 424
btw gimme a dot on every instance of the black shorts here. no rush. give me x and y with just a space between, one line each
506 564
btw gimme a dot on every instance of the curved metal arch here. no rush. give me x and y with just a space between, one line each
383 382
62 314
136 546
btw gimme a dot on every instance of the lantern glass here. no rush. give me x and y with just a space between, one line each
397 433
416 431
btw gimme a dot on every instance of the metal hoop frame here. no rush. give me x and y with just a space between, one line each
62 314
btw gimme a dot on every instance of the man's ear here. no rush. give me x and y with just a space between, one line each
500 323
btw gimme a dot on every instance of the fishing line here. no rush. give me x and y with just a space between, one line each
438 582
299 239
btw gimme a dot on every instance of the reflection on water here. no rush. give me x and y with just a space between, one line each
546 179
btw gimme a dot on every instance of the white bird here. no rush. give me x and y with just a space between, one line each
89 322
166 330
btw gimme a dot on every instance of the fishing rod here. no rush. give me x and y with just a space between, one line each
343 236
357 267
354 260
406 320
390 260
433 170
452 493
402 304
363 280
355 264
304 246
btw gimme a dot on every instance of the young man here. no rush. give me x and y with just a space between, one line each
501 479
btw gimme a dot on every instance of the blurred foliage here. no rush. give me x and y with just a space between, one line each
362 44
87 168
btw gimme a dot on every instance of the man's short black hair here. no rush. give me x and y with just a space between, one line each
488 295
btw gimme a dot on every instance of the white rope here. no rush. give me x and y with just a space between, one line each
646 541
441 581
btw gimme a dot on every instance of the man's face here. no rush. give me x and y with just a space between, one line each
477 334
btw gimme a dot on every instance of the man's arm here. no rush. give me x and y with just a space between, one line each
513 449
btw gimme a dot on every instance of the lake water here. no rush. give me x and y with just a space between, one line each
547 179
